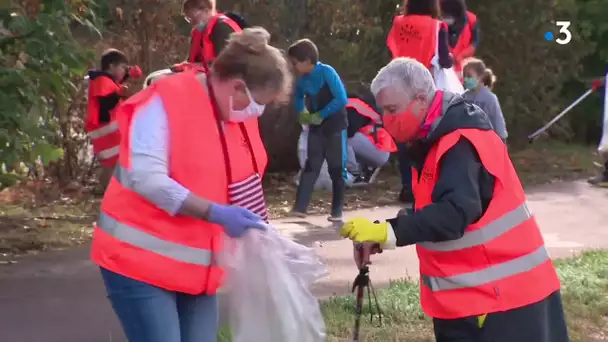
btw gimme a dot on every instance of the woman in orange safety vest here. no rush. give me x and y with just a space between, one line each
419 33
485 273
463 31
190 166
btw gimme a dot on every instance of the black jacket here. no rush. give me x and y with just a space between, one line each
464 187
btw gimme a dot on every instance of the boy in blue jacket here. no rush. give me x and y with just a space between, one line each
320 100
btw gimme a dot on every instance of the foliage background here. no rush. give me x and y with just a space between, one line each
47 45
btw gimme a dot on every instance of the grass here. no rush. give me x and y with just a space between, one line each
42 218
584 290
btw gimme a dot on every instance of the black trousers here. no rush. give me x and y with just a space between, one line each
323 147
539 322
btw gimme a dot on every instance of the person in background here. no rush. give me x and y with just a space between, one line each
478 82
189 172
369 144
106 90
601 180
463 31
320 99
419 34
210 31
485 273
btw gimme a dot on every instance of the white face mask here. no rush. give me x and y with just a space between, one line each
253 110
449 20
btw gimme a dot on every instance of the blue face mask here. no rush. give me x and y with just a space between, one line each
470 83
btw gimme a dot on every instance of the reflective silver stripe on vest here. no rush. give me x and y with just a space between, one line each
109 153
364 110
138 238
492 273
485 234
103 131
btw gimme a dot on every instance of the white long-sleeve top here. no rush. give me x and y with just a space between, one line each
149 174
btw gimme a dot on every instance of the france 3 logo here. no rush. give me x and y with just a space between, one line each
564 35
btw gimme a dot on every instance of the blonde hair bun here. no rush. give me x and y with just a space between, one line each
252 39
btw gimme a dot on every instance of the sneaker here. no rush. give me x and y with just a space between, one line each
299 214
335 219
600 180
359 180
373 174
406 195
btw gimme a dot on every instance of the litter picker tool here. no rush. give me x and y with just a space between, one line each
360 284
596 84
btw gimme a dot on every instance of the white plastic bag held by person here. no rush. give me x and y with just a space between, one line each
268 279
445 79
603 147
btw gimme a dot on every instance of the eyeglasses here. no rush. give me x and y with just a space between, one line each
192 18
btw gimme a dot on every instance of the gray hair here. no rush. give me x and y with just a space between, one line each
406 74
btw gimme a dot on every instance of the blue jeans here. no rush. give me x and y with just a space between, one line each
404 167
151 314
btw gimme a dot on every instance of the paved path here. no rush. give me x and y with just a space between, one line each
58 297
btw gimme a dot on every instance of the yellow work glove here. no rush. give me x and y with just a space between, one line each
364 230
316 119
481 320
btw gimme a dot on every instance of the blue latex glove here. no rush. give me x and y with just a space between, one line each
235 220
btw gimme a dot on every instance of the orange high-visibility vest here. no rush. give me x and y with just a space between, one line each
414 36
501 262
134 237
377 135
464 46
105 137
202 48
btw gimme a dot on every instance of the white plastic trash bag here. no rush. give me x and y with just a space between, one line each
324 180
603 147
267 289
445 79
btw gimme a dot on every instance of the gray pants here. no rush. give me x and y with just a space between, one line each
362 151
331 148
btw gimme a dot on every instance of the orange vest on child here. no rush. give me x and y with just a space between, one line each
135 238
377 135
105 137
464 47
202 48
501 262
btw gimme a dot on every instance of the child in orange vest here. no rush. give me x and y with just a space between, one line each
106 91
205 20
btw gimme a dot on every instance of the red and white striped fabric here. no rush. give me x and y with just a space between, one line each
249 194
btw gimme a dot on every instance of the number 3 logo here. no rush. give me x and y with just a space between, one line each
563 29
